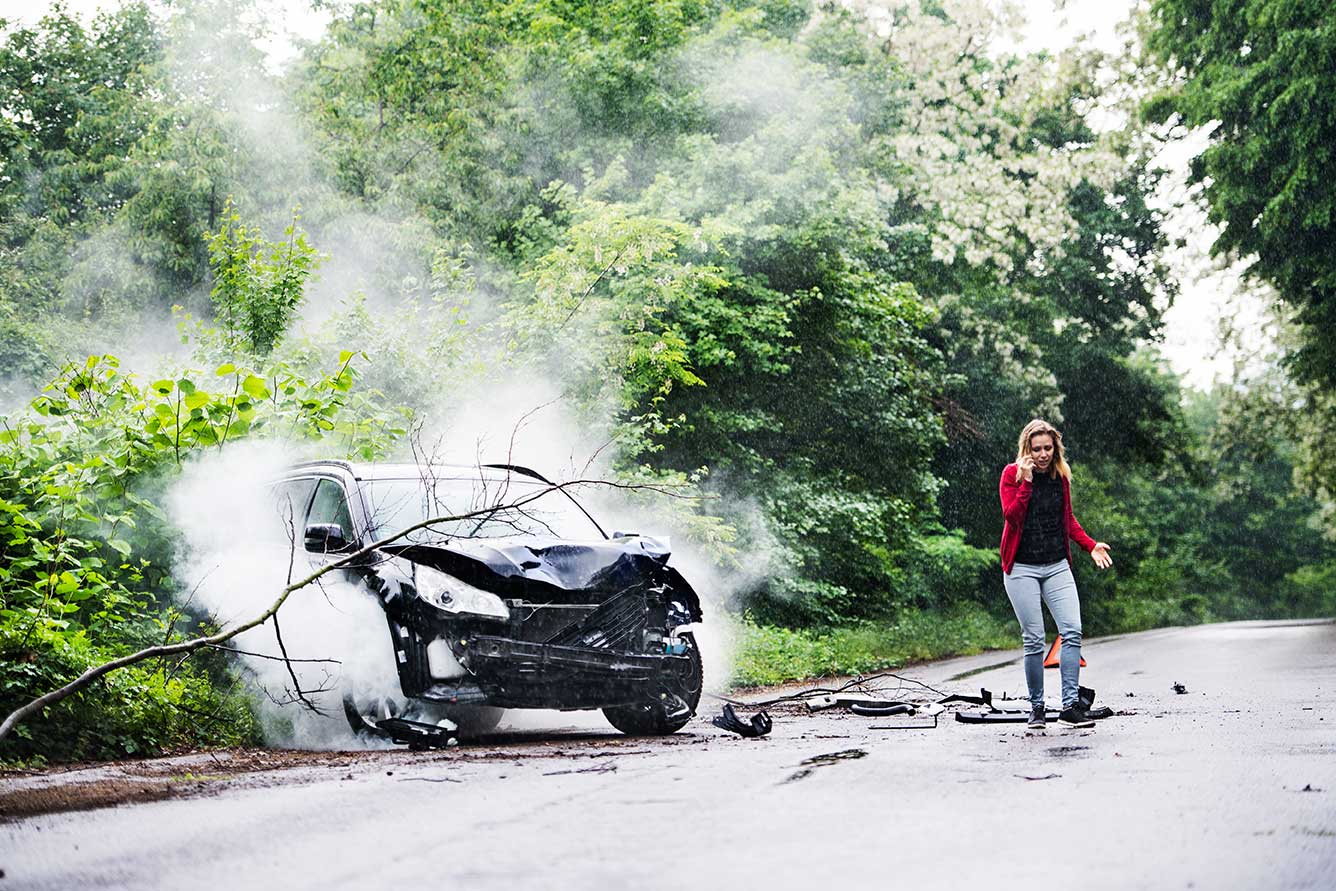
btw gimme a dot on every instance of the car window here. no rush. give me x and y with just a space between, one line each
331 506
291 498
502 508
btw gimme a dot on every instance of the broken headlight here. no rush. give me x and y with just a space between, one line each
447 593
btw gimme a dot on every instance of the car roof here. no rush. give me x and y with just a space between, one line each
405 471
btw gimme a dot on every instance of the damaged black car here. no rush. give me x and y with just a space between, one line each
526 603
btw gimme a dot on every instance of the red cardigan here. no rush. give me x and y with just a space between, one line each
1016 501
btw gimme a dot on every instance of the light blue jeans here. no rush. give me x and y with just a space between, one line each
1027 585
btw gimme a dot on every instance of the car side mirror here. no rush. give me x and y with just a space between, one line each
626 535
325 538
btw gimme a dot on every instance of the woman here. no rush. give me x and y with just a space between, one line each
1036 562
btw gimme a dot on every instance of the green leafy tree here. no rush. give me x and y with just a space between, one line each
71 111
73 101
257 285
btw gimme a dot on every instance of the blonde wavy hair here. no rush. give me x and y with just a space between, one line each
1034 428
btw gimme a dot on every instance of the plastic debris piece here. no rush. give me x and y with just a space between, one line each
985 699
882 710
1086 697
932 711
757 726
854 703
982 716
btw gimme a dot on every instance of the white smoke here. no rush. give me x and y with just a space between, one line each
236 557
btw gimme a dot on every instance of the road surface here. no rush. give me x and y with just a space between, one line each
1230 785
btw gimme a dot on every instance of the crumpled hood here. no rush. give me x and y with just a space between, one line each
563 564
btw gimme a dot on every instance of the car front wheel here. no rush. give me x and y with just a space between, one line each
662 717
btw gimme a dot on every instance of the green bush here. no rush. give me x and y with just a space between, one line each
946 571
85 551
1310 591
144 709
767 654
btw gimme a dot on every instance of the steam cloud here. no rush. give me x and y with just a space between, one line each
236 558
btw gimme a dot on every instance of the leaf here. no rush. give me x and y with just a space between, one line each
345 355
225 369
163 387
255 387
197 399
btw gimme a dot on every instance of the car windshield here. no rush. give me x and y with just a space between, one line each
504 508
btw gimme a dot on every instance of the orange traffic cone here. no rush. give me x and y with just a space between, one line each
1051 660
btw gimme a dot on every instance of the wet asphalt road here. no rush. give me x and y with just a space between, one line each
1203 790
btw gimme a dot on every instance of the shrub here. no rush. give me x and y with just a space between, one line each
143 709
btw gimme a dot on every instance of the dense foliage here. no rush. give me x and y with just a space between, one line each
821 260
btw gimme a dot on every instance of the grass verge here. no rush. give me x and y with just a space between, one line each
771 655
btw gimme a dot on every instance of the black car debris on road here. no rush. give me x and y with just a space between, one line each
527 604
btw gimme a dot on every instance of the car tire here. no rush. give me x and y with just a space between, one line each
476 720
651 718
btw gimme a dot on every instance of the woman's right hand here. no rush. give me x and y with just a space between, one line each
1100 554
1024 468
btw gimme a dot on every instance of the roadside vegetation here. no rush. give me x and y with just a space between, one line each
813 264
769 654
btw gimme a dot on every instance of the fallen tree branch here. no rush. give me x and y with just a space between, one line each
237 652
213 640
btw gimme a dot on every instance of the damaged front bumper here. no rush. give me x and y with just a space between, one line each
506 672
523 674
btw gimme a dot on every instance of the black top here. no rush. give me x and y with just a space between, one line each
1044 538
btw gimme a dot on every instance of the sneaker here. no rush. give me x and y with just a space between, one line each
1037 713
1074 716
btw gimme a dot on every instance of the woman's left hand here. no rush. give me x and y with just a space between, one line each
1100 554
